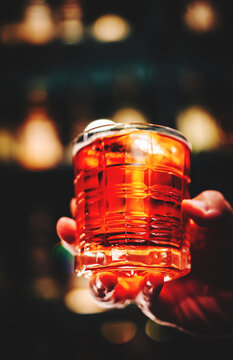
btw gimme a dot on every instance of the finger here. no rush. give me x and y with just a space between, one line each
151 285
73 207
208 207
198 212
150 288
66 230
103 286
175 305
114 291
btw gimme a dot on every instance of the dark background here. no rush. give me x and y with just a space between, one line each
86 81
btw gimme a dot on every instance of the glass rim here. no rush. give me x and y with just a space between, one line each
160 129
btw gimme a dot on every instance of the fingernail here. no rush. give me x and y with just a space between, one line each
66 230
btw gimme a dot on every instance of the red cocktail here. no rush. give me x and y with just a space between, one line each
130 180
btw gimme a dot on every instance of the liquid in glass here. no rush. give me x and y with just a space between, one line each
129 183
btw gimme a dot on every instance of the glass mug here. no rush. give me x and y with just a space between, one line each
130 180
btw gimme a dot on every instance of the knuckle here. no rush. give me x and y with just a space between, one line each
213 194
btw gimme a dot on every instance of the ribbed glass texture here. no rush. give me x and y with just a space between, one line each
130 180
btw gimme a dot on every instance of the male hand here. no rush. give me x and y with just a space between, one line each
199 303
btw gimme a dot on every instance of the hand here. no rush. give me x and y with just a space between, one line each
109 291
199 303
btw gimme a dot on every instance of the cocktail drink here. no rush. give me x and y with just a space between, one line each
130 180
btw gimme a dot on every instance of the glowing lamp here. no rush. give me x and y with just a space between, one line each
200 16
37 26
200 127
129 115
39 145
110 27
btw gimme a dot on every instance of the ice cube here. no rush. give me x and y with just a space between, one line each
98 123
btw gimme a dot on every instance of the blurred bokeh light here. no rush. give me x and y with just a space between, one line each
65 63
70 27
38 26
45 287
129 115
81 302
158 332
119 332
78 298
39 144
110 28
6 145
201 16
200 127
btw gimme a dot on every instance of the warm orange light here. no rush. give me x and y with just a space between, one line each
37 96
78 298
70 27
129 115
6 145
7 33
200 127
37 26
39 145
111 27
119 332
81 302
200 16
45 288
